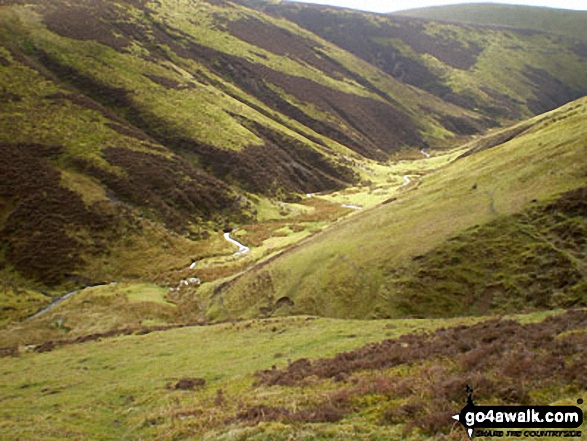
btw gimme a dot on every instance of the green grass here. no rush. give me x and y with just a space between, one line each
36 116
209 109
288 224
140 257
19 302
193 110
556 21
205 30
530 260
384 181
335 262
94 310
116 388
341 272
501 70
146 293
132 302
490 70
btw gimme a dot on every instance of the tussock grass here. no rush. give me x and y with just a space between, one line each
535 259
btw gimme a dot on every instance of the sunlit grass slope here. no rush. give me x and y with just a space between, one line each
361 267
179 70
133 128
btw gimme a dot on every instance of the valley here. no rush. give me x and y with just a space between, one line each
286 226
182 376
266 220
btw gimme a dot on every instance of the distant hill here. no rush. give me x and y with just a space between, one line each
503 73
568 23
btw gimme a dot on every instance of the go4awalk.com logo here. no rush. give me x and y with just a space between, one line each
520 421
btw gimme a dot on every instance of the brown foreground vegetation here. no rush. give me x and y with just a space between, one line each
420 380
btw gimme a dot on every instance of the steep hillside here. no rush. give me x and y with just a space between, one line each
75 178
563 22
133 131
264 80
120 118
498 230
368 166
500 72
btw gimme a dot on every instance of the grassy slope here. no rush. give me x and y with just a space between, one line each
345 272
556 21
123 387
44 132
203 95
55 167
535 259
488 69
283 226
120 104
159 92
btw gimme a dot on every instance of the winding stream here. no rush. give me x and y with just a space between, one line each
241 248
58 300
54 303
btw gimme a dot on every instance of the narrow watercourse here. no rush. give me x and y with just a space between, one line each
241 248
